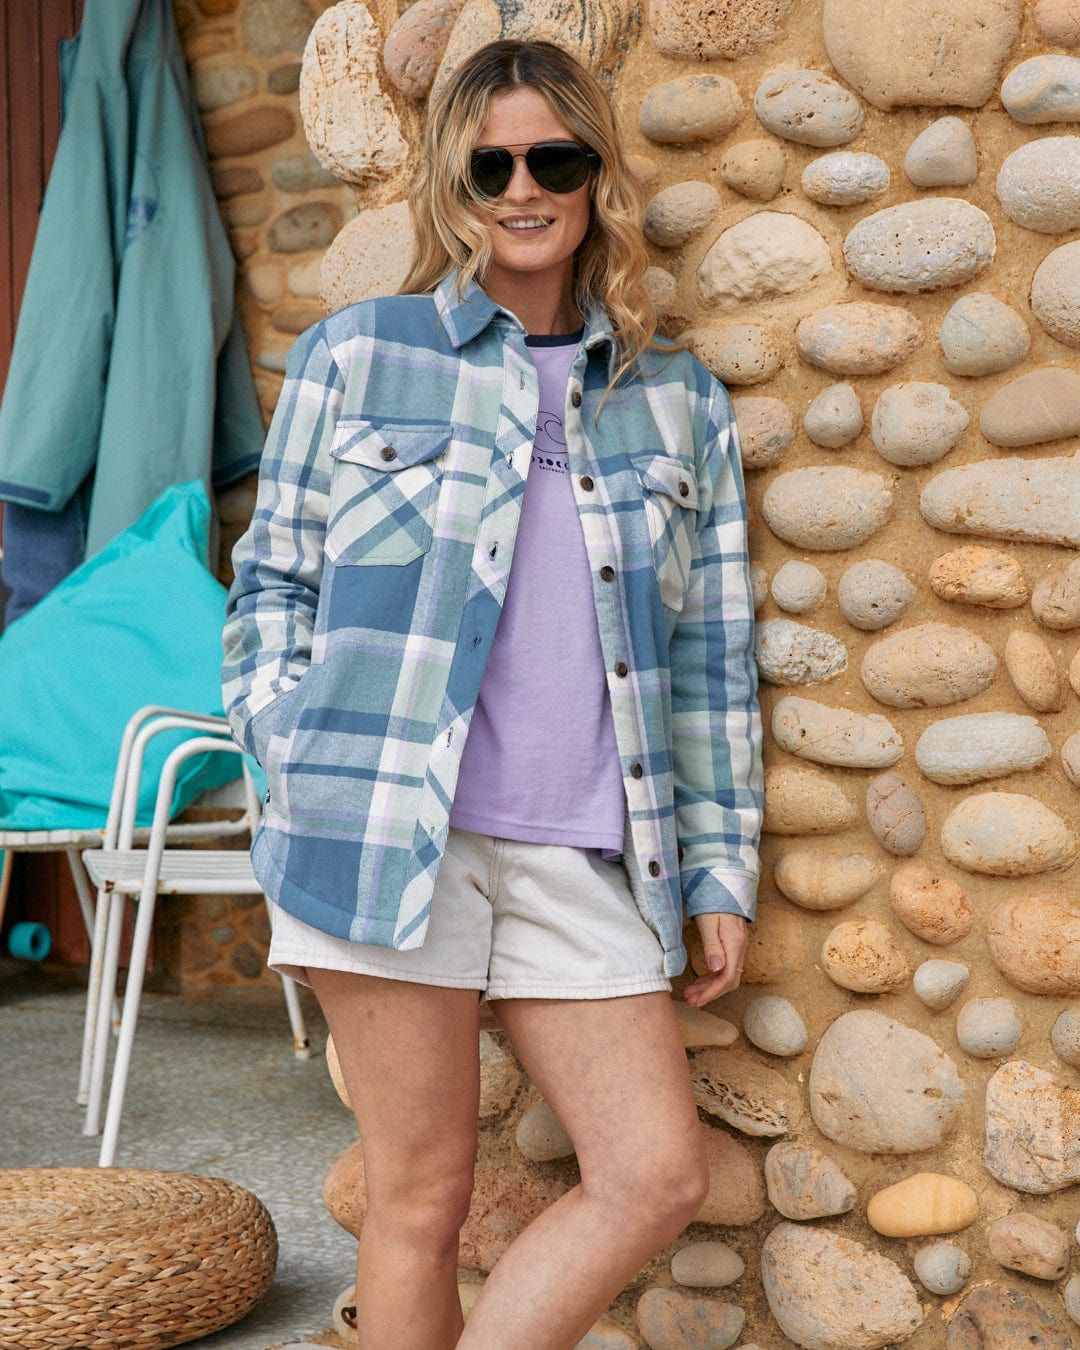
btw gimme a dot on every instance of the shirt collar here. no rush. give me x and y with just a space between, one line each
466 316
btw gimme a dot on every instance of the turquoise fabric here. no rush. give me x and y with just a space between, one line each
139 623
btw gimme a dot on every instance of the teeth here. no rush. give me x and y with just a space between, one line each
534 224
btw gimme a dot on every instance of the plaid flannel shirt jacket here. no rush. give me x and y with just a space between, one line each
370 582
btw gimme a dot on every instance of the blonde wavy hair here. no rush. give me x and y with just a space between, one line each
611 260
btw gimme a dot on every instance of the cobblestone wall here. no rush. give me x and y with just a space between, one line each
864 218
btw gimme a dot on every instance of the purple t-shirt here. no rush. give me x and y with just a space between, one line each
540 762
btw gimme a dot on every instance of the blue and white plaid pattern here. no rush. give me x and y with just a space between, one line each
370 582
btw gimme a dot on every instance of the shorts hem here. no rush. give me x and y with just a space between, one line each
296 965
615 989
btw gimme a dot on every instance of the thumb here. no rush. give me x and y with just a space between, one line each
715 955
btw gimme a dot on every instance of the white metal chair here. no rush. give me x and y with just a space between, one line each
121 868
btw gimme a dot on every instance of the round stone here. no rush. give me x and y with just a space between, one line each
808 107
1058 21
754 168
690 108
1030 1244
540 1135
923 1205
942 1267
928 666
1038 185
235 180
304 279
273 26
767 254
943 155
297 317
1055 600
916 423
1033 500
738 354
669 1320
982 335
1030 1121
645 169
774 1025
272 358
1040 405
789 653
416 43
218 86
798 587
826 509
939 983
244 133
679 212
978 746
922 245
689 32
879 1086
988 1027
845 178
835 735
858 338
804 1183
661 287
934 908
873 594
1044 88
927 55
821 880
1007 834
835 417
1000 1319
301 173
801 800
1035 943
896 815
265 281
707 1265
370 257
1055 293
1071 1295
736 1195
759 585
765 430
1070 758
1033 671
972 575
862 955
879 1307
307 226
1065 1038
284 79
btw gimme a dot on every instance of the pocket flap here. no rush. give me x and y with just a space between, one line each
388 446
673 477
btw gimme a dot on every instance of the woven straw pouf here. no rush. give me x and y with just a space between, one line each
123 1259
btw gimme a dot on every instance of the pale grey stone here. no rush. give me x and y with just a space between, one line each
301 173
896 815
765 430
737 353
707 1265
808 107
835 417
873 594
928 666
1070 758
798 586
858 338
921 245
804 1183
1071 1295
942 1267
770 253
310 225
1038 185
845 178
1031 1244
1033 500
541 1136
826 509
1044 88
978 746
982 335
773 1024
670 1320
690 108
1055 293
838 736
285 79
943 155
916 423
661 286
759 585
789 653
218 86
879 1306
272 26
988 1027
938 983
679 212
1065 1038
1007 834
1040 405
879 1086
269 359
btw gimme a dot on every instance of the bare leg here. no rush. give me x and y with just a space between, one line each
410 1060
614 1071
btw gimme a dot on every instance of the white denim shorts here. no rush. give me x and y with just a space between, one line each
512 919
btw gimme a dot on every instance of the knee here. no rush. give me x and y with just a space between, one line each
423 1203
663 1189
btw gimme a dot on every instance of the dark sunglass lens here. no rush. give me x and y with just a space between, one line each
558 167
491 170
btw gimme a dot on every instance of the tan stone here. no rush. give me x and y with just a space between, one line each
769 253
645 169
369 257
688 31
862 955
500 1076
689 109
707 1265
896 814
246 132
821 880
1055 600
679 212
1031 1244
478 23
344 1192
607 1335
776 950
541 1136
736 1087
333 1065
804 1183
1074 672
669 1318
265 281
700 1028
297 317
1032 1142
766 429
232 180
738 354
932 907
1035 943
802 800
1058 22
736 1195
1007 834
859 338
928 666
1033 671
1040 405
923 1205
973 575
416 43
754 168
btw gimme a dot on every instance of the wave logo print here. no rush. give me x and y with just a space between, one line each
142 205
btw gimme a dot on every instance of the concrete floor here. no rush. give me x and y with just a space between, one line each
214 1089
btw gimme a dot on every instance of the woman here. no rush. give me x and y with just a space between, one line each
494 779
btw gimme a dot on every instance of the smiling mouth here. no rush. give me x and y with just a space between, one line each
532 225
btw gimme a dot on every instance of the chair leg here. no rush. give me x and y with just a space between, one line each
301 1039
93 996
112 918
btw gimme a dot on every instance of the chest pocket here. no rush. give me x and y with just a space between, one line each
384 488
669 491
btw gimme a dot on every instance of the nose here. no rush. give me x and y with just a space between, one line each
522 186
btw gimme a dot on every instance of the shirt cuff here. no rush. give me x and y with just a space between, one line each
723 893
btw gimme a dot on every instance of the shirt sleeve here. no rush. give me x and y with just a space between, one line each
270 612
716 721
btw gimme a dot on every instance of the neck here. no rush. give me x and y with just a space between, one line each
544 302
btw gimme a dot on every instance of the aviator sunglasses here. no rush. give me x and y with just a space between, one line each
556 166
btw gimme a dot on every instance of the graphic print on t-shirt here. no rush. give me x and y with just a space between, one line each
549 448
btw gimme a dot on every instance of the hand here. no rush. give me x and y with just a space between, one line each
724 937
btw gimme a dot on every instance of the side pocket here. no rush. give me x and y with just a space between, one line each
670 497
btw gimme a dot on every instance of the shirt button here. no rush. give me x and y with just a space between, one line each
684 488
636 771
587 483
654 868
575 398
621 669
607 573
388 452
